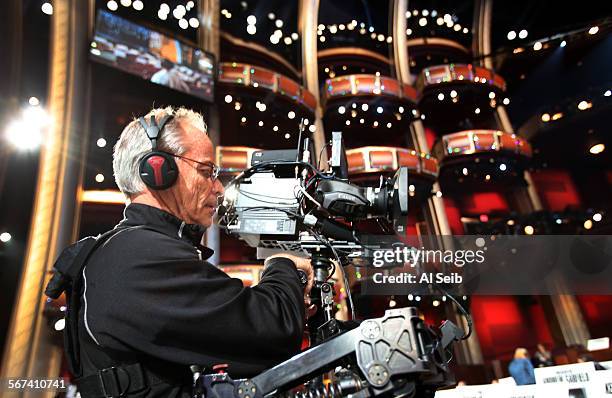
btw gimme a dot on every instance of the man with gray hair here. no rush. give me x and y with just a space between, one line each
151 305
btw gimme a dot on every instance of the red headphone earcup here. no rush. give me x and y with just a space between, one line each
158 170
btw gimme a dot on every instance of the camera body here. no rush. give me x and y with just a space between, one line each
283 202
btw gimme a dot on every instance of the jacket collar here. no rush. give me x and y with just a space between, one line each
166 223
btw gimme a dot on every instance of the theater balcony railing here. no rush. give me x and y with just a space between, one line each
459 74
459 146
368 86
238 75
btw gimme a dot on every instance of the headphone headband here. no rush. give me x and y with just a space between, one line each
154 129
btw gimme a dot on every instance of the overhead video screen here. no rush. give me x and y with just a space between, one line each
153 56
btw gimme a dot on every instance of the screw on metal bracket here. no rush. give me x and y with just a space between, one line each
378 375
370 329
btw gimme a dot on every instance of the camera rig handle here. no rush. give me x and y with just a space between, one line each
395 355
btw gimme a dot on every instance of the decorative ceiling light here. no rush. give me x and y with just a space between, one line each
588 224
341 110
278 23
333 29
453 94
375 124
441 96
597 217
341 26
275 128
381 37
511 35
126 3
491 95
464 171
537 46
271 16
440 21
294 36
99 177
584 105
33 101
112 5
138 5
503 167
597 149
194 23
457 28
322 39
312 128
594 30
425 13
274 39
47 8
261 123
408 31
237 106
422 21
243 119
506 101
545 117
251 19
162 15
563 44
251 29
400 109
607 93
183 23
364 107
291 115
466 30
288 40
523 34
529 230
477 111
348 122
379 109
389 125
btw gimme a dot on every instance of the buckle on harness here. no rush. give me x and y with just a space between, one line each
111 383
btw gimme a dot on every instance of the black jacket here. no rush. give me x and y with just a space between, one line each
151 297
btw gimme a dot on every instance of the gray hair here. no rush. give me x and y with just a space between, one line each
133 144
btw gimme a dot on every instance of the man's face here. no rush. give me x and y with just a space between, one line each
193 198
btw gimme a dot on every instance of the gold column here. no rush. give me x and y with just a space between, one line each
481 41
308 16
435 206
29 351
400 43
532 195
209 40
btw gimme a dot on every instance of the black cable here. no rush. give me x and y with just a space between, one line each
462 309
347 286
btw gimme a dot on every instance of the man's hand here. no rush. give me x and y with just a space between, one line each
302 264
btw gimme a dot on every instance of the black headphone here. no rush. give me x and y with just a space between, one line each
157 169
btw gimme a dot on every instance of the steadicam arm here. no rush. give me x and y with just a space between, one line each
395 355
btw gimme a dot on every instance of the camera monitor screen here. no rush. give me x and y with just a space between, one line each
153 56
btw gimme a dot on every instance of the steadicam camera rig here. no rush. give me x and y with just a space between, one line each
283 202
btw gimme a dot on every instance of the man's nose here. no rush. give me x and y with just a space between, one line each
218 188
